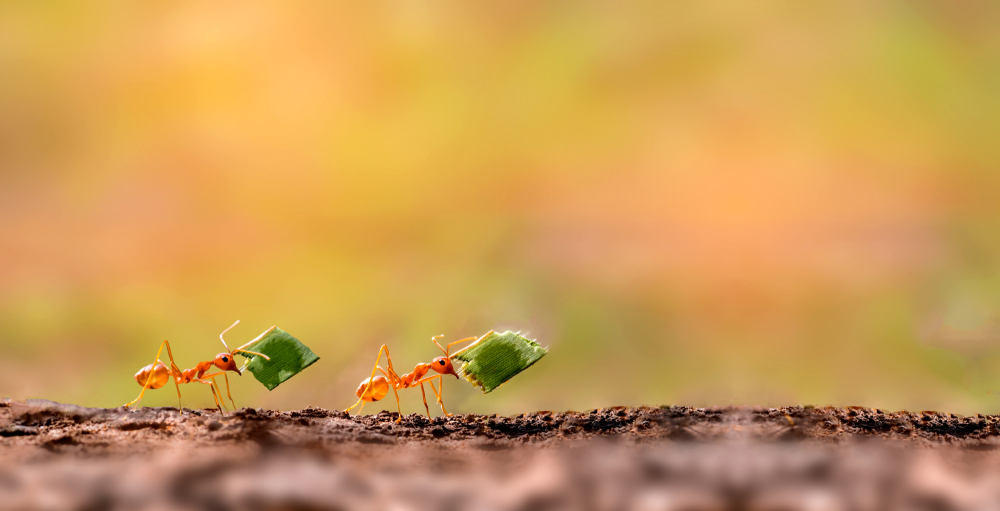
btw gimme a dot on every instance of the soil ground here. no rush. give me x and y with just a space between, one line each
55 456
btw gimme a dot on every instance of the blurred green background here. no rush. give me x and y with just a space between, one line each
703 203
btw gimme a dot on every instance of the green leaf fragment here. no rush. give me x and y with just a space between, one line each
496 358
288 358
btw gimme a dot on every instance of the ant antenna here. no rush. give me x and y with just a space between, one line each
435 340
477 340
224 333
259 337
447 349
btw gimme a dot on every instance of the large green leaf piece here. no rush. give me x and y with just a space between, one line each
496 358
288 358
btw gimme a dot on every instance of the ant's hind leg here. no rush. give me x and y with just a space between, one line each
359 402
149 379
174 371
371 379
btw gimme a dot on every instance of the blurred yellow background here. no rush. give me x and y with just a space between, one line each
703 203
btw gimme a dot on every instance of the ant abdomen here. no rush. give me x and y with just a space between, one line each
378 389
160 375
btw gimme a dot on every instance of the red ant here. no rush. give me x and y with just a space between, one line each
155 375
374 388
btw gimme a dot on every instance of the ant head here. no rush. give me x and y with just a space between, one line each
226 362
443 366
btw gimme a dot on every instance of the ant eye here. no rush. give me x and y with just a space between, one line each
441 362
225 359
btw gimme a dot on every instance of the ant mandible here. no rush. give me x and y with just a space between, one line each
155 375
374 388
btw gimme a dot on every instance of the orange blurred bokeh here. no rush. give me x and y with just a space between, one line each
705 203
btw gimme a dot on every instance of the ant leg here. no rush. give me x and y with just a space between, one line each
440 402
439 392
214 395
436 391
174 371
226 376
211 376
218 398
149 379
212 388
370 380
438 395
218 390
177 385
424 395
392 383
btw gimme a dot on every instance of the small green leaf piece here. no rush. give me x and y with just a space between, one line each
496 358
288 358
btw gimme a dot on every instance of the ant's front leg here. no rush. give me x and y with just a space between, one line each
224 375
437 392
218 397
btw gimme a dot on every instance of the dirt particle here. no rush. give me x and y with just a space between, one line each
18 430
569 428
137 425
